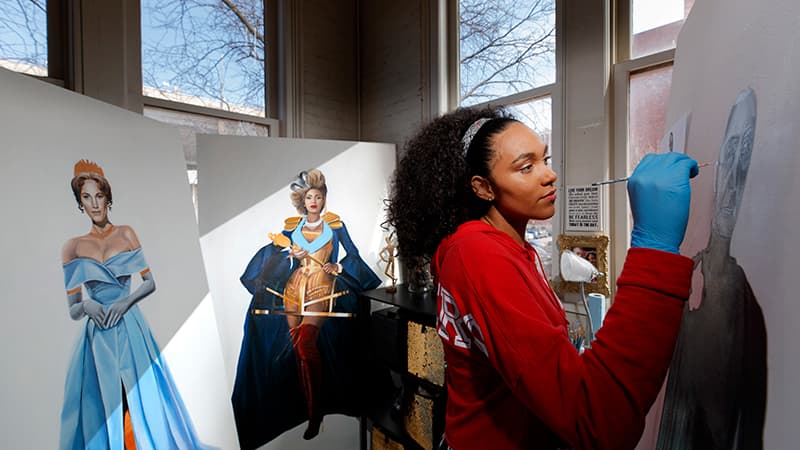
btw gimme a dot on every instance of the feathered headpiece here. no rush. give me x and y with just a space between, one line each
300 183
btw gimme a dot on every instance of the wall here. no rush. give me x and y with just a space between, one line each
586 77
392 75
582 115
329 69
107 54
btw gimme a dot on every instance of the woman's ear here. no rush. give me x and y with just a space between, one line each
482 188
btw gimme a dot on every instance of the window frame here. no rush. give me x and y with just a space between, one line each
454 64
272 124
271 80
59 18
623 68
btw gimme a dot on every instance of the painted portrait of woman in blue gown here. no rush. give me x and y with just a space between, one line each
118 392
298 356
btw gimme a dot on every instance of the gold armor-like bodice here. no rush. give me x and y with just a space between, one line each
309 282
309 291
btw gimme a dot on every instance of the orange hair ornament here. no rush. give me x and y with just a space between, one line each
86 166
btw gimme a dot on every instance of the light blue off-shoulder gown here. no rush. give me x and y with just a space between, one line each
124 357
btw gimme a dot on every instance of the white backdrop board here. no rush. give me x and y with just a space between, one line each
243 194
724 48
45 130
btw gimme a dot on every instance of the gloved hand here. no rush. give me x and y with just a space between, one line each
116 311
95 311
659 194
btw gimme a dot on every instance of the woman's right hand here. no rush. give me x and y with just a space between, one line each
297 252
94 311
660 194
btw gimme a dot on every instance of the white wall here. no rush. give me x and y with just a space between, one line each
45 131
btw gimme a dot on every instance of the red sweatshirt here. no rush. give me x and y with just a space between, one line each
514 380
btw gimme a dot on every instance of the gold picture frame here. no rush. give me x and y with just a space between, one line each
594 247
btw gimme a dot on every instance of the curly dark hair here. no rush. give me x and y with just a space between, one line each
431 194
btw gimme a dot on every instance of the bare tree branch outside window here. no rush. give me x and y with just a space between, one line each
23 36
507 46
206 52
536 114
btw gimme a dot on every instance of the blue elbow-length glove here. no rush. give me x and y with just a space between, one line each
660 194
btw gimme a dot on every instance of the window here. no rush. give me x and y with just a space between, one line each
506 47
23 36
204 70
205 53
507 57
647 106
643 76
655 25
536 114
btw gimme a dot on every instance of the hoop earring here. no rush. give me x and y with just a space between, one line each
80 208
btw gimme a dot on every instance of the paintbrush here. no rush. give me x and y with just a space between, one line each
619 180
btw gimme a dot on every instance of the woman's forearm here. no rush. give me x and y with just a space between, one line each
76 311
147 287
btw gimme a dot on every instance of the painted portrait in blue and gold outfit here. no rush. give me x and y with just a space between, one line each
118 392
298 355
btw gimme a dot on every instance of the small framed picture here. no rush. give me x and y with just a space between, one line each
593 249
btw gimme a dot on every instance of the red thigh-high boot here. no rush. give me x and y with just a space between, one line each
309 368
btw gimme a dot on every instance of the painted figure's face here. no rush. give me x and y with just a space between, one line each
734 162
522 179
314 201
94 201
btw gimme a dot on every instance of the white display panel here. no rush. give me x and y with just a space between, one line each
45 130
243 194
724 48
243 185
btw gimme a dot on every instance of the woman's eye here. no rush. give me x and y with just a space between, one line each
548 160
526 168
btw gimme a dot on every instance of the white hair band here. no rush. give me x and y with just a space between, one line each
472 131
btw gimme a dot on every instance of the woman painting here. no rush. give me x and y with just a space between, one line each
299 363
116 370
463 193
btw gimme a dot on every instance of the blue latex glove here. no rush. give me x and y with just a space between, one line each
659 193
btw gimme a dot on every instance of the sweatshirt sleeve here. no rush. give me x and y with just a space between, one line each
597 400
